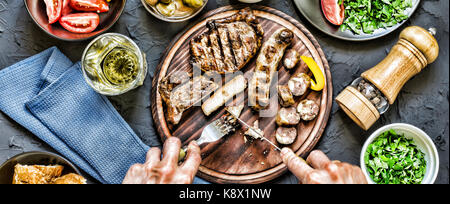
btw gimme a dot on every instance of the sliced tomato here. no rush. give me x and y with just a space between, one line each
98 6
54 8
333 11
66 9
80 22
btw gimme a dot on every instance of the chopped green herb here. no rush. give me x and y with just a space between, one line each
370 15
394 159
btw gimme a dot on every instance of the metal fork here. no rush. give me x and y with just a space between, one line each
213 132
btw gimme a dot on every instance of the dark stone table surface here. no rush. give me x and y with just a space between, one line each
423 102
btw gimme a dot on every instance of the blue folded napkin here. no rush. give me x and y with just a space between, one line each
47 95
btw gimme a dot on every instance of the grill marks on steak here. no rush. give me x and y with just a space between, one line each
216 49
236 43
228 55
229 44
200 48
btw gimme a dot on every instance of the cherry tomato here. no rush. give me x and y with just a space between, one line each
333 11
98 6
54 8
66 8
80 22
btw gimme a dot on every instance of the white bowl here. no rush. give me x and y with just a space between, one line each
421 139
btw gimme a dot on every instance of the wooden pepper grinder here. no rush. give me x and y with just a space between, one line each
414 51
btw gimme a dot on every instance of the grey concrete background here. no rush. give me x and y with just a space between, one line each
423 102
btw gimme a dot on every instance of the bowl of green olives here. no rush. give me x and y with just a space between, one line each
174 10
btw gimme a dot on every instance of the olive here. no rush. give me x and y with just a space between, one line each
182 9
151 2
193 3
166 9
166 1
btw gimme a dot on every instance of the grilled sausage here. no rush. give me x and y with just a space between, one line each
286 97
286 135
287 117
255 132
266 65
291 59
236 110
308 110
224 94
299 84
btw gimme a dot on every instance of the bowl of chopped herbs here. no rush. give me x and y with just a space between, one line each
400 154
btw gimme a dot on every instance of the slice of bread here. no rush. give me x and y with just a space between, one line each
70 179
36 174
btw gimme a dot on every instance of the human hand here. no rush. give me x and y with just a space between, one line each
322 170
166 171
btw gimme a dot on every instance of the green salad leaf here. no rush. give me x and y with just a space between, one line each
394 159
370 15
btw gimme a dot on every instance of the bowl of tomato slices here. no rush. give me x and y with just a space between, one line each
75 20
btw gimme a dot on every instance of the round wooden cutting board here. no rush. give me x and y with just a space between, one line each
234 160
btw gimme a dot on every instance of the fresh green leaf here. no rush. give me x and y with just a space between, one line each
393 159
370 15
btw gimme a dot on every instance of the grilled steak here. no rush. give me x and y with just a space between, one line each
229 44
179 92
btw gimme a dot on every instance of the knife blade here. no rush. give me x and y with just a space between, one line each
254 130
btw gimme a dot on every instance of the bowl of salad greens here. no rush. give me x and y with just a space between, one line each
399 154
360 20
